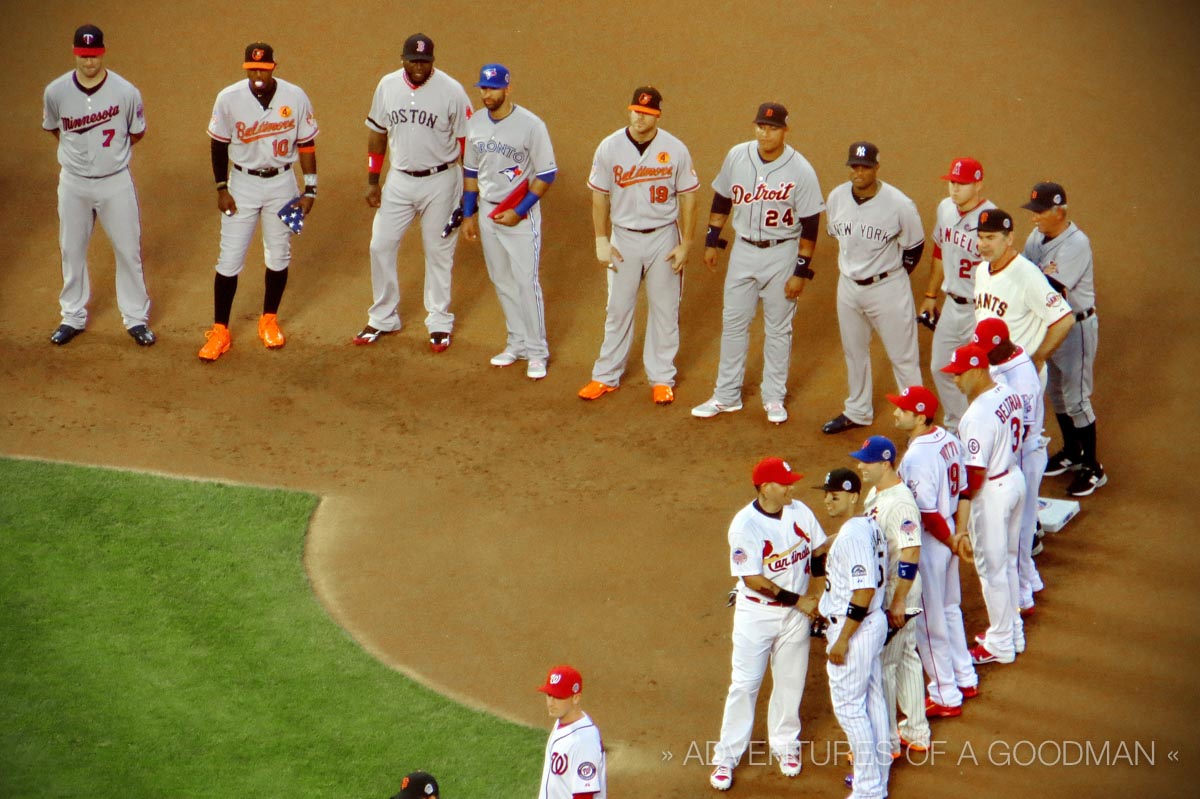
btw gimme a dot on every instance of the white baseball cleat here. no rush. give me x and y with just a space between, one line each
789 765
721 778
536 370
505 359
776 414
712 408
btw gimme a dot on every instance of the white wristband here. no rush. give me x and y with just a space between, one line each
603 249
310 179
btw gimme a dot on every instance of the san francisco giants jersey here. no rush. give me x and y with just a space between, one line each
423 123
1066 259
1021 296
1020 375
643 187
262 138
895 511
575 762
872 236
991 431
857 559
933 469
94 124
769 199
507 151
956 243
778 549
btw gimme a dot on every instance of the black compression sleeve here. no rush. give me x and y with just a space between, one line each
912 256
808 227
721 204
220 160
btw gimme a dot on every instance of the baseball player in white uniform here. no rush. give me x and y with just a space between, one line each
773 194
934 470
260 127
991 432
421 113
1064 254
642 180
952 271
855 568
880 240
574 767
96 116
770 543
509 156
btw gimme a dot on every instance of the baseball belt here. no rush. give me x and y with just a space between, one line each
1088 314
957 299
768 602
264 173
873 279
762 245
998 476
424 173
646 230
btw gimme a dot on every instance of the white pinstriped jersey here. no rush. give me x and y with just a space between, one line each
769 199
94 124
423 123
575 762
643 186
857 559
933 469
1019 374
991 430
872 236
778 549
262 138
1066 258
507 152
956 242
1021 296
895 511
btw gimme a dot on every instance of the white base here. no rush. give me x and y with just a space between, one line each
1055 513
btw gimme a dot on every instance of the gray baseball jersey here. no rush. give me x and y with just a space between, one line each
262 138
423 123
643 187
769 198
1066 259
94 125
872 235
506 152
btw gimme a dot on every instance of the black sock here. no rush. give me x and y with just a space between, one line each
276 282
224 287
1070 439
1086 436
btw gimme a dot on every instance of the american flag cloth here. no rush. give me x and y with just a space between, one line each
456 218
292 216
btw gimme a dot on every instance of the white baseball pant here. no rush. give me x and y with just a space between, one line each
257 198
856 690
903 685
512 255
1033 465
1070 372
887 308
996 536
954 329
941 637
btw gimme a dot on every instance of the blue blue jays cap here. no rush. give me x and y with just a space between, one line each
876 449
493 76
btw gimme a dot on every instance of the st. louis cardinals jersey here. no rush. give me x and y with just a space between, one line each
643 186
506 152
769 199
895 511
574 762
94 124
1021 296
956 243
778 549
423 123
857 559
872 236
1066 259
933 469
262 138
1020 375
991 431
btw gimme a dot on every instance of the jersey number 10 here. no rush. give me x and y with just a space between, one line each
280 147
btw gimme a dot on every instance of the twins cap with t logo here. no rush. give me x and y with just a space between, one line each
89 41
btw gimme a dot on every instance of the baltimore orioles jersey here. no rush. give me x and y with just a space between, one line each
423 123
94 124
956 243
1021 296
769 199
643 186
776 548
507 151
262 138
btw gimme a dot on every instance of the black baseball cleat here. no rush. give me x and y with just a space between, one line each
64 333
840 424
1060 463
143 335
439 342
1087 480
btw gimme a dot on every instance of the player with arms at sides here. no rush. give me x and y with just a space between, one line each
574 767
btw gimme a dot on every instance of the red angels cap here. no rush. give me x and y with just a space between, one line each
964 170
917 399
562 682
966 358
775 470
89 41
990 333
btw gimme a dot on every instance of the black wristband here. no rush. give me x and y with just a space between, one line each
817 565
713 237
856 612
803 268
223 184
310 191
785 597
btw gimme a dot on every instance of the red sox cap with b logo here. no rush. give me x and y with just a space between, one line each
646 100
562 682
964 170
259 55
89 41
418 47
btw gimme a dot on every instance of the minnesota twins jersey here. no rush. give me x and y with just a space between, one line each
262 138
872 236
643 186
507 151
94 124
778 549
423 123
1020 375
769 199
574 762
991 430
857 559
1067 259
933 469
895 511
956 243
1021 296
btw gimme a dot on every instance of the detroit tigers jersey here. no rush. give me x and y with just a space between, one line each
507 151
643 187
769 199
991 431
778 549
1019 374
262 138
1067 259
1021 296
933 469
94 124
857 559
872 236
423 123
575 762
956 243
895 511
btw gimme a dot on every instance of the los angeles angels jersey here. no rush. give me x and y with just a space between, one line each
778 549
956 243
643 187
872 236
857 559
1021 296
769 199
991 430
423 123
507 151
933 469
262 138
94 124
575 762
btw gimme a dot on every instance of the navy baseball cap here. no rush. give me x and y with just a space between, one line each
841 480
994 220
89 41
417 785
1046 196
876 449
772 114
863 153
418 47
493 76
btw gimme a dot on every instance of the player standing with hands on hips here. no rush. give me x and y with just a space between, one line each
574 767
96 116
642 180
260 127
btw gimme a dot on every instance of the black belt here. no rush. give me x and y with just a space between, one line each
647 230
998 476
957 299
424 173
767 602
762 245
264 173
1088 314
871 280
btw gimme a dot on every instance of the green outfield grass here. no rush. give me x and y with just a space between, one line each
158 638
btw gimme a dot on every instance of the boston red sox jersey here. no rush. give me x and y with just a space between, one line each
643 186
872 236
1067 259
1020 375
778 549
506 152
895 511
991 431
1021 296
769 199
857 559
933 469
574 762
956 243
94 124
262 138
423 123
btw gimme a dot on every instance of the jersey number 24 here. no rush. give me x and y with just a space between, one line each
773 218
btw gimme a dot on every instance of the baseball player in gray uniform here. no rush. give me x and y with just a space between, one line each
773 194
1064 254
97 117
422 113
508 167
880 241
642 180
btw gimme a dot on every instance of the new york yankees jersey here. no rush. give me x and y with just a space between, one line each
895 511
956 243
778 549
991 431
575 762
507 151
643 186
769 199
262 138
423 123
1066 259
933 469
1020 375
857 559
1021 296
94 124
872 236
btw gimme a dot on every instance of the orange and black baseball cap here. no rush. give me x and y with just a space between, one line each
646 100
259 55
562 682
1046 196
995 220
417 785
917 399
89 41
964 170
773 114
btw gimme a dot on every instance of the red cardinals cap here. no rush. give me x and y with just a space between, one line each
417 785
775 470
89 41
917 399
772 114
418 47
259 55
964 170
966 358
646 100
1046 196
562 682
990 333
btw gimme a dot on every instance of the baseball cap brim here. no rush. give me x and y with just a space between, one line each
642 109
1037 207
258 65
89 52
